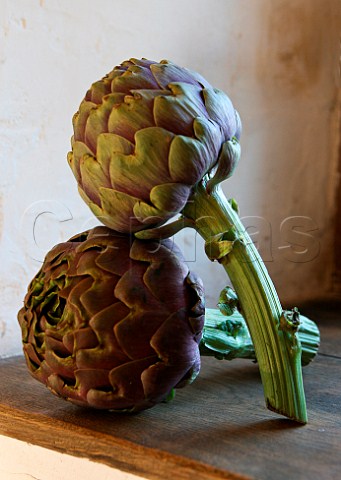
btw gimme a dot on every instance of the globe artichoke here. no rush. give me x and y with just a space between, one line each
113 323
144 135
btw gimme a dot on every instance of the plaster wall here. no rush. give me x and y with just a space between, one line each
278 61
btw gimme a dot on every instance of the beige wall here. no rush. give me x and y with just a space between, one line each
278 60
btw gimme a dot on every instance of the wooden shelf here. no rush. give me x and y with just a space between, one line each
218 428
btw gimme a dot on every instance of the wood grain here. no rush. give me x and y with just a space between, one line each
218 428
337 227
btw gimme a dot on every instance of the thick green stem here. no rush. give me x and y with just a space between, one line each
227 337
273 334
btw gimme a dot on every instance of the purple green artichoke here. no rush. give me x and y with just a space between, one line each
144 135
112 322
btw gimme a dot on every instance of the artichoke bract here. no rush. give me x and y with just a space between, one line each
112 322
144 135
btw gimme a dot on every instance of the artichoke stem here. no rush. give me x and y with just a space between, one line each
278 349
227 337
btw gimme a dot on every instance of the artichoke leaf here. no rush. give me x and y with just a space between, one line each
190 152
227 162
174 341
126 379
109 145
170 197
135 78
97 121
88 378
118 209
165 231
156 380
129 117
167 200
99 295
167 72
149 162
132 291
176 112
144 325
98 90
80 119
92 177
209 134
155 277
220 109
79 149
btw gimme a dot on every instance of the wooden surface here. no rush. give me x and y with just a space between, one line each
218 428
337 229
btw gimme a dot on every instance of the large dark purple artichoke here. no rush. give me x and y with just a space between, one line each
144 135
113 323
